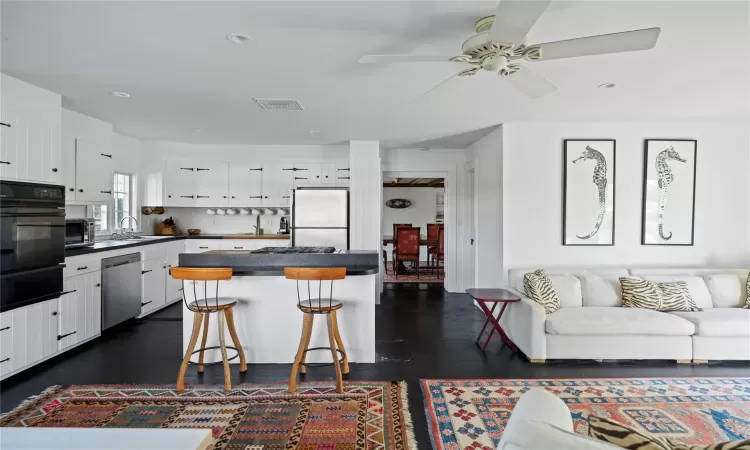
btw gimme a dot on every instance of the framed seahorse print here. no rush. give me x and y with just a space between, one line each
589 192
669 169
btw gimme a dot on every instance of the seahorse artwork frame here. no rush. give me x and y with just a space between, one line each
670 170
589 192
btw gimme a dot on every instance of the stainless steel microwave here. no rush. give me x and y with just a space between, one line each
80 233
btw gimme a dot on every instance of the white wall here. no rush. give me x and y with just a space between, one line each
532 196
421 212
487 157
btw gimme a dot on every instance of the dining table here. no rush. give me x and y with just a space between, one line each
423 241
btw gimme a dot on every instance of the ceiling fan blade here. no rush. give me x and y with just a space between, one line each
514 19
530 83
440 87
394 59
627 41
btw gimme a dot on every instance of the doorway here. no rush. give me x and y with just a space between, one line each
415 204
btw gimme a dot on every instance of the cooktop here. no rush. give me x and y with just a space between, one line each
287 250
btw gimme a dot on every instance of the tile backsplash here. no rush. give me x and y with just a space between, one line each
197 218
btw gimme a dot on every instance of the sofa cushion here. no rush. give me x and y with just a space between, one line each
726 289
515 276
568 289
599 321
640 293
600 291
539 288
719 321
696 286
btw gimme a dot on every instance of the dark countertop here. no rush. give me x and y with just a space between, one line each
105 246
357 262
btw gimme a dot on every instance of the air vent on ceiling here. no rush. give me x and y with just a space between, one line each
288 104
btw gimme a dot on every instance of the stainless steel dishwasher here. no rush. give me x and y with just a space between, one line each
121 289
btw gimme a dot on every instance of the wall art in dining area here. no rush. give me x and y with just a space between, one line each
669 172
589 192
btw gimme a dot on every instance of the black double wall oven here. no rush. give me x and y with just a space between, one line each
32 251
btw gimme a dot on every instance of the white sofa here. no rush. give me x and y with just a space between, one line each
592 324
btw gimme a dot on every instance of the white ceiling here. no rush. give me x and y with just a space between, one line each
183 75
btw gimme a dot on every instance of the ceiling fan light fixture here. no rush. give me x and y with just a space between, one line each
239 38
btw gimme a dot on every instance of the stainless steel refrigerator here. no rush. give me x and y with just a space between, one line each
320 218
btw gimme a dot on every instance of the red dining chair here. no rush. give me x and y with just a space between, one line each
396 226
438 253
432 234
407 248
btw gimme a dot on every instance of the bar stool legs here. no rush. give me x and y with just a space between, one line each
223 345
304 342
197 317
235 339
339 342
203 342
332 342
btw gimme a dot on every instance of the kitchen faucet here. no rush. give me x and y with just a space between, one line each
119 234
128 217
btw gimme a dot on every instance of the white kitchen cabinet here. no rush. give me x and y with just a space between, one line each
252 244
342 174
30 147
173 286
7 330
153 194
212 184
153 293
179 183
278 181
80 309
41 331
328 174
69 167
202 245
94 171
303 174
246 184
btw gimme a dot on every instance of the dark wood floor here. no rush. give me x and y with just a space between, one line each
421 331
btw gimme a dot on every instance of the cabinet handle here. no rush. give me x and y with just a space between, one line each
294 169
98 285
54 169
202 247
225 196
60 337
265 196
6 359
286 196
5 328
187 168
239 248
347 169
83 268
68 292
204 196
71 189
145 271
344 178
180 289
185 196
144 304
164 267
106 192
5 124
198 170
80 190
261 169
300 178
255 196
232 196
54 313
106 156
5 162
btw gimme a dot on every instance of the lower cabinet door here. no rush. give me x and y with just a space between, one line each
154 285
80 309
41 331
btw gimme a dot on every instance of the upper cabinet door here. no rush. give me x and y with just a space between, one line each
278 182
303 174
342 174
328 173
246 184
179 182
212 184
27 149
69 167
94 171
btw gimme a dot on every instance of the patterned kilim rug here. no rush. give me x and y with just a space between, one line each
369 415
471 414
426 275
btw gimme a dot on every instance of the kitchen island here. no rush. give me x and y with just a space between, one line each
268 322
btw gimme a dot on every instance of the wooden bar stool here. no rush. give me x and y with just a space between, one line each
310 308
202 308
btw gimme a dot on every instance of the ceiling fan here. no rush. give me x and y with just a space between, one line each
499 46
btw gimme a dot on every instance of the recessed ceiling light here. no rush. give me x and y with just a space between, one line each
238 38
119 94
607 86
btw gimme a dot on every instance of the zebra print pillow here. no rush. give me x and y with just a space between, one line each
539 288
668 296
747 286
615 433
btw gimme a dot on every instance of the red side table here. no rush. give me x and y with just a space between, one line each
494 296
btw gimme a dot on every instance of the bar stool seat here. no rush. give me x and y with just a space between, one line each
319 306
212 304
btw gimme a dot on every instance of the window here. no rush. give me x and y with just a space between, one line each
108 217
